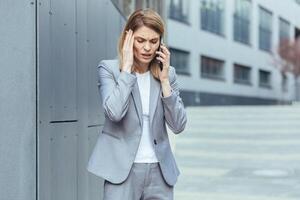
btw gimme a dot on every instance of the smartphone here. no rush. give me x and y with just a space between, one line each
159 49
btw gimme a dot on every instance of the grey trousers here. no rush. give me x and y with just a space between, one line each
144 182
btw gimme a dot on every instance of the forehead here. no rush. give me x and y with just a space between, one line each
146 33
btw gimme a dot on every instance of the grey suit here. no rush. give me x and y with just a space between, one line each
117 144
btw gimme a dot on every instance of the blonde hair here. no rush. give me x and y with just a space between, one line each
142 17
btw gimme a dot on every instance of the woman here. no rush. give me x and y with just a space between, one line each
133 153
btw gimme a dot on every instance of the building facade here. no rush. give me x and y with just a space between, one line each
225 51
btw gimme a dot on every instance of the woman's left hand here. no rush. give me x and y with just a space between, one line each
164 57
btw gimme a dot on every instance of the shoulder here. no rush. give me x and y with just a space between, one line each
111 66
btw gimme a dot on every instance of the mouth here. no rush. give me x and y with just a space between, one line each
146 55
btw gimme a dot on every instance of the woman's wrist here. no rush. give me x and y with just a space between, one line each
166 88
165 82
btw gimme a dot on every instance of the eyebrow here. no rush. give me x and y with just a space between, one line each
145 39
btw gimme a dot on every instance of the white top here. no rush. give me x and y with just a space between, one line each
146 153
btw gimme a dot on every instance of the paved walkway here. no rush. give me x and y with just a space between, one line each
239 153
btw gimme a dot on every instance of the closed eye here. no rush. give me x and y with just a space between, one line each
141 41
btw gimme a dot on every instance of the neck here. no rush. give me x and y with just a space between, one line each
141 67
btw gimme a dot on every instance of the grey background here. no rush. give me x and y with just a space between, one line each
51 73
17 100
73 37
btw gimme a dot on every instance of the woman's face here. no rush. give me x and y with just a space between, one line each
146 43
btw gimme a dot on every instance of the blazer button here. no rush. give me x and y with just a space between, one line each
155 142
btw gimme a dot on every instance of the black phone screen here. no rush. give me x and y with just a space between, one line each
159 49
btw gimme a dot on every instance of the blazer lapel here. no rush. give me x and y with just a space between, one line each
137 101
135 96
154 95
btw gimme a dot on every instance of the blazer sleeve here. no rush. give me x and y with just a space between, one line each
114 94
174 111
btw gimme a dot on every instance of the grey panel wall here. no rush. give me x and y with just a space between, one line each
73 37
17 100
63 59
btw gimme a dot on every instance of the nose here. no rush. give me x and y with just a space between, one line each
147 46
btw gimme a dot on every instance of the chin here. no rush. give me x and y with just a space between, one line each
144 61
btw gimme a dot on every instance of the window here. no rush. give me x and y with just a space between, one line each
212 15
284 82
242 16
265 29
126 7
179 10
264 79
212 68
180 60
242 74
284 29
297 33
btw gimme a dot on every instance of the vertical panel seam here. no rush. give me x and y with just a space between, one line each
36 101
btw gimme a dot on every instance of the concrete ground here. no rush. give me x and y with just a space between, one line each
239 153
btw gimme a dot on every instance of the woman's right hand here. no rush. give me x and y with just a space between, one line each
128 51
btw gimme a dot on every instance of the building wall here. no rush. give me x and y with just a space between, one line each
73 37
17 100
197 42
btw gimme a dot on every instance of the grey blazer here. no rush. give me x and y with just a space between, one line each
117 144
